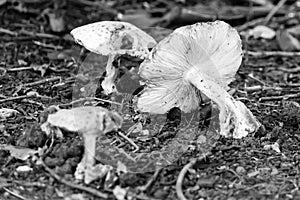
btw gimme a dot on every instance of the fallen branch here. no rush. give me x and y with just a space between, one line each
272 53
72 185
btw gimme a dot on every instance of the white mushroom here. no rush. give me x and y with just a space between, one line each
112 38
203 57
88 121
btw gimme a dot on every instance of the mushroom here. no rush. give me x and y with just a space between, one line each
112 38
88 121
196 60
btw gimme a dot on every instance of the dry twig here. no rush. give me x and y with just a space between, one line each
261 88
249 24
274 10
130 141
90 99
150 182
14 194
72 185
278 98
182 175
272 53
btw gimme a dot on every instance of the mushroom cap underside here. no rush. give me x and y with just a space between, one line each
211 48
113 37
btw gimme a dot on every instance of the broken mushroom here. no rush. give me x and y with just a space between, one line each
112 38
197 59
88 121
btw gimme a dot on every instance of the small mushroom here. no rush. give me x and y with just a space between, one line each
88 121
193 60
112 38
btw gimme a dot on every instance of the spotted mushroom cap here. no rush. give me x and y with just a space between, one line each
86 120
113 37
212 48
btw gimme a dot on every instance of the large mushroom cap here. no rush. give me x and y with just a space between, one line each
113 37
213 49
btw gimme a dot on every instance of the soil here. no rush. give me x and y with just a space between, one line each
40 66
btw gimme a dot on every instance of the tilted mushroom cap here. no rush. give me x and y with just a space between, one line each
213 49
113 37
86 120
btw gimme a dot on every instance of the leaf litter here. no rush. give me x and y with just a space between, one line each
266 113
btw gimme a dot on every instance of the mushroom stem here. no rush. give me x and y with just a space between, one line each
234 116
89 150
108 84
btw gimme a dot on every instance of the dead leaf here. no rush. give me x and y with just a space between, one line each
18 152
96 172
286 41
3 2
56 20
139 18
158 33
24 168
261 31
7 112
41 68
4 182
76 197
295 31
119 193
121 167
274 147
252 174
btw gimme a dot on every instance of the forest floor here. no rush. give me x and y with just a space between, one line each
40 66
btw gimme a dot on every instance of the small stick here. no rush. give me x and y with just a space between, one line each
13 98
278 98
272 53
8 32
251 23
17 69
56 47
14 194
259 87
92 191
23 183
256 79
182 175
151 181
42 35
274 10
53 79
294 70
24 97
130 141
91 99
